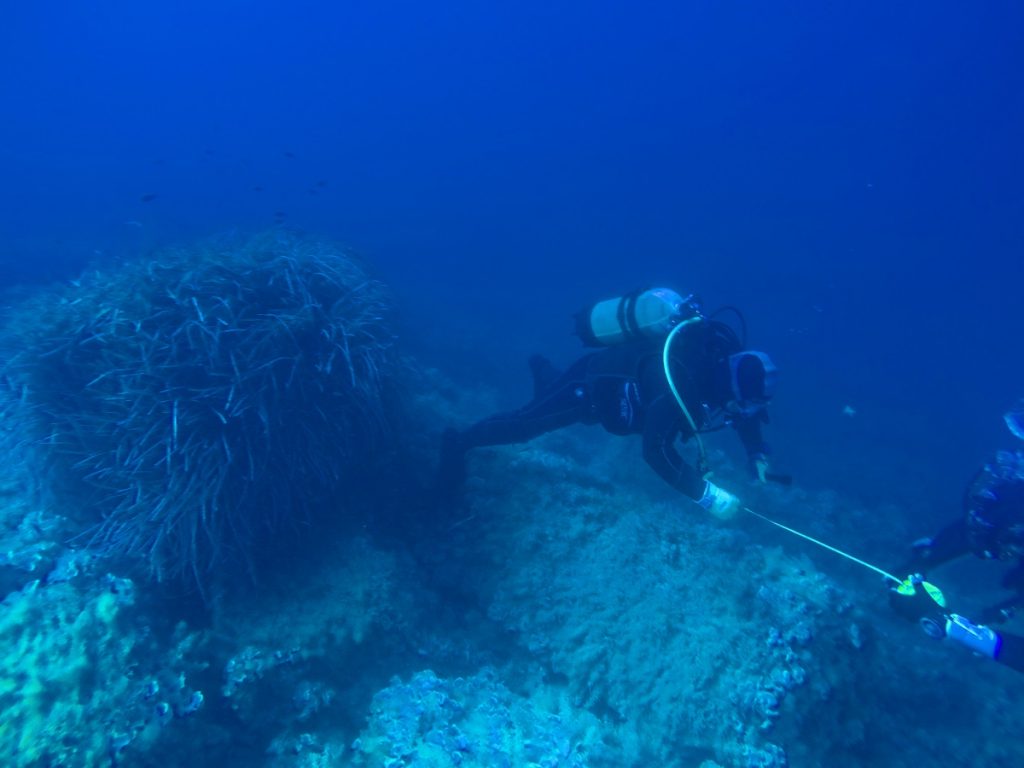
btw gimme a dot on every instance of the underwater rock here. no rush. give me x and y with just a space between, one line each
83 680
473 721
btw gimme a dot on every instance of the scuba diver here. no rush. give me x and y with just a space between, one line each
992 528
665 371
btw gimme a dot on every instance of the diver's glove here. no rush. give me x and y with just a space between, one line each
922 548
759 467
975 637
719 502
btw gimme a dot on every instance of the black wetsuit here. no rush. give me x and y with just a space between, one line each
992 528
624 388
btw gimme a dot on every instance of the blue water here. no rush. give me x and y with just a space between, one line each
848 174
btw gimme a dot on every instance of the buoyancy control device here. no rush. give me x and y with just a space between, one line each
650 313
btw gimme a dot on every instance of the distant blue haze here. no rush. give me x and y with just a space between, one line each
849 174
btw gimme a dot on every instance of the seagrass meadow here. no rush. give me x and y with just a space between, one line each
183 404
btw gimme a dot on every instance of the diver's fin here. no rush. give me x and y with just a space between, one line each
544 374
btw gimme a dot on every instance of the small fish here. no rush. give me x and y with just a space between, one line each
849 410
257 188
322 183
149 197
289 155
280 214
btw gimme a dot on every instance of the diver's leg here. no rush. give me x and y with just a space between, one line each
564 402
563 408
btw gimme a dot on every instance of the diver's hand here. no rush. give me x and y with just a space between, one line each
719 502
921 549
759 467
919 559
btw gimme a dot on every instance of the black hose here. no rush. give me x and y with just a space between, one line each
742 337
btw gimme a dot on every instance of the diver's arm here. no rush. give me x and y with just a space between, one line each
749 430
1004 648
661 426
948 544
1001 611
1011 651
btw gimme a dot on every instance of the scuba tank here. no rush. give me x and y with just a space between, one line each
650 313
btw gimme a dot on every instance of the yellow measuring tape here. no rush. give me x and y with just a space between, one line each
906 586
